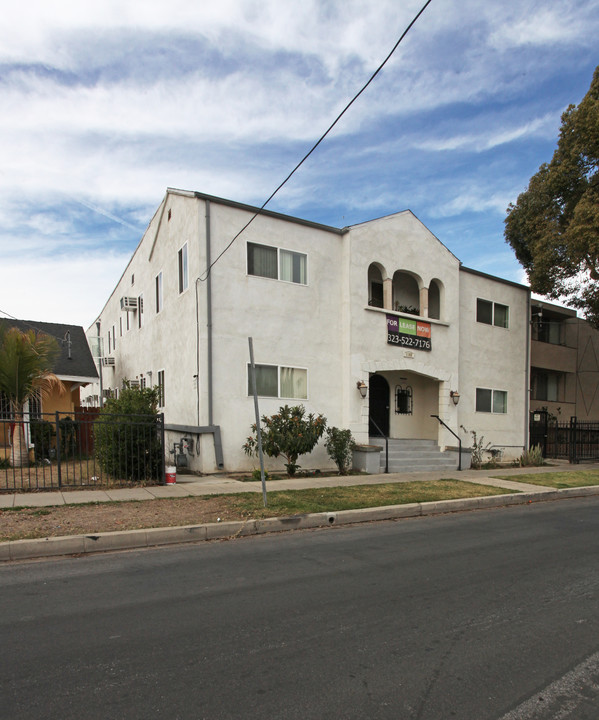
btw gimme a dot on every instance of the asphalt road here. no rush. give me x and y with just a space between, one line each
475 616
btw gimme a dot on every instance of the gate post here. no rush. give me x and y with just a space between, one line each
162 442
573 441
58 459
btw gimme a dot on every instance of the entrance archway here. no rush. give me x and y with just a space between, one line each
378 412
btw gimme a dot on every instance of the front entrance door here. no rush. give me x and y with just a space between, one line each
378 414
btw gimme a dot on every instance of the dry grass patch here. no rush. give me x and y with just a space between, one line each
558 480
93 518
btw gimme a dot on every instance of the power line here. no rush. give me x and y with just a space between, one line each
205 274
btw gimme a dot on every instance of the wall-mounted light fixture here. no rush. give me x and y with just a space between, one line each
455 396
362 388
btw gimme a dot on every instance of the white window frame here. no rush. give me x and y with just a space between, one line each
140 311
492 411
493 305
35 407
160 375
159 292
183 268
5 411
279 250
278 368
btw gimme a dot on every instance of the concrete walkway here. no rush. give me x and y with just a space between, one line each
191 485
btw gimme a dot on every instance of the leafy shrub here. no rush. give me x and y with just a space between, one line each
256 475
42 432
532 457
126 438
290 433
67 430
339 445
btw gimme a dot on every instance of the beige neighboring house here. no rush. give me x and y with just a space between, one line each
381 309
564 363
74 366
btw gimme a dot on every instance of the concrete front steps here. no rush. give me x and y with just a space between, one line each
408 455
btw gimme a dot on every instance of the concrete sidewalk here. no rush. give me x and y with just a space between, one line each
192 485
213 485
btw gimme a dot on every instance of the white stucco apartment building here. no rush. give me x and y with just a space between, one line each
383 303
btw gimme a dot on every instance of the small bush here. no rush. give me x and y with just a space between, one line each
42 432
339 445
126 437
532 457
478 449
290 433
68 428
257 477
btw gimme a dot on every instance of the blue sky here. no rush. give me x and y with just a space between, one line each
106 104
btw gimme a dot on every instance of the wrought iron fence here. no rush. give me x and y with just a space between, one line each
81 449
573 440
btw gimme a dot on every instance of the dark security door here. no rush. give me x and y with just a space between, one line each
378 416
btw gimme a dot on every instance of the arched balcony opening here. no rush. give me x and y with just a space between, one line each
375 285
435 299
406 293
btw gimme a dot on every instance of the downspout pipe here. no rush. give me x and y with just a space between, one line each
209 312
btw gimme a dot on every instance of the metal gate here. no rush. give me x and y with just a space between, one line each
573 440
81 449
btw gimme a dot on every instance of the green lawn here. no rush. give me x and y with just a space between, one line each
311 500
569 479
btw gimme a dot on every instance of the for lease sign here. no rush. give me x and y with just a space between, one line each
408 333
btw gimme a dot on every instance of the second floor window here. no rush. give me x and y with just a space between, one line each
492 313
183 273
140 310
159 292
270 262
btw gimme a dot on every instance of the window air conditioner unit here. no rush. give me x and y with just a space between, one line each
107 393
134 383
108 362
129 303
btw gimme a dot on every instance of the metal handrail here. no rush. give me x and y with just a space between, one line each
455 436
386 445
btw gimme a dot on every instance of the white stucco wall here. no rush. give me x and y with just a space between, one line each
402 242
494 358
325 326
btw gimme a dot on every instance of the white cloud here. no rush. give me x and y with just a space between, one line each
545 126
106 104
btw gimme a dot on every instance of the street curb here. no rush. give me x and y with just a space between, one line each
154 537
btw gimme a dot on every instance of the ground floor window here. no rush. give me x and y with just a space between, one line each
488 400
4 407
35 405
161 401
279 381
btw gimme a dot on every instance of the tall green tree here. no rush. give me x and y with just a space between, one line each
26 362
554 225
